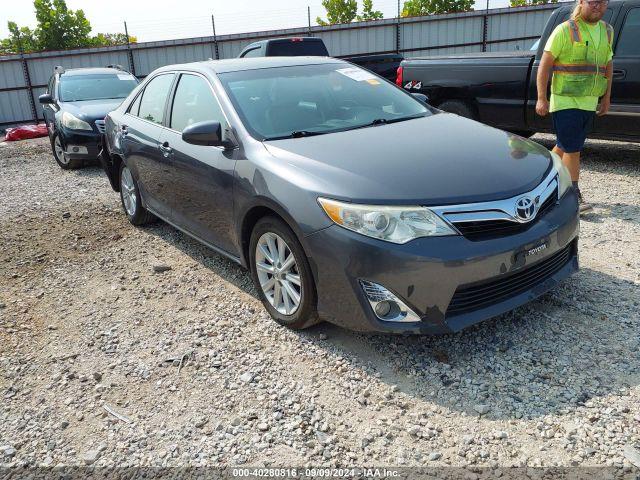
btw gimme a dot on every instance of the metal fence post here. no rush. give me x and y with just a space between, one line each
398 29
215 38
485 28
132 65
27 80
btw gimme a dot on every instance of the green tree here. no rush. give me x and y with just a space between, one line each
338 11
526 3
20 39
107 39
368 13
413 8
59 27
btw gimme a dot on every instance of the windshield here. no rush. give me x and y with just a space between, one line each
76 88
286 102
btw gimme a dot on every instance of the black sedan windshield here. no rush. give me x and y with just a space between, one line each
307 100
76 88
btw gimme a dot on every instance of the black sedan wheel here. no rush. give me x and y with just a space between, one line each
131 201
282 275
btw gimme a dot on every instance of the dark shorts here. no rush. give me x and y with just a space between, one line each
572 127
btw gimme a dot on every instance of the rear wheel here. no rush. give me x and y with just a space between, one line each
281 273
59 154
130 197
459 107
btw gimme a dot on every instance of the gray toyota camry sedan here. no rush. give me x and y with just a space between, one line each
348 199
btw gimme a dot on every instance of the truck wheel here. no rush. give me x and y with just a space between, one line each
458 107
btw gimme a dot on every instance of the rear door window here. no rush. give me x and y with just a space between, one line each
154 98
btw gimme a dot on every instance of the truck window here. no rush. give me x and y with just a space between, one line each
629 40
254 52
297 47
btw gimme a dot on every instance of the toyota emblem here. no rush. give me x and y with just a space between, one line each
525 209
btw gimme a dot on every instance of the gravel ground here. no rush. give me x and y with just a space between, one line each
105 361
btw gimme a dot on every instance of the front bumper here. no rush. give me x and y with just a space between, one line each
426 273
81 145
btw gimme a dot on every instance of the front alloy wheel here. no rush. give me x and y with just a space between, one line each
278 273
281 273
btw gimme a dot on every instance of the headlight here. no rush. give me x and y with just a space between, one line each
564 178
393 224
74 123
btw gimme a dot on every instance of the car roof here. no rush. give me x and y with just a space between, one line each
92 71
254 63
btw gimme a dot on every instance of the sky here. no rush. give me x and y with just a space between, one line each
169 19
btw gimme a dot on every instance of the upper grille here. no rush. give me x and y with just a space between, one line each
487 229
473 297
100 126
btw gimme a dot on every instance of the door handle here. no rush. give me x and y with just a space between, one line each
619 74
166 149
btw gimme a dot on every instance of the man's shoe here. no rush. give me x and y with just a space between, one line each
583 206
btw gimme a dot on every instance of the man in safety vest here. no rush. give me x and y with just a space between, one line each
579 54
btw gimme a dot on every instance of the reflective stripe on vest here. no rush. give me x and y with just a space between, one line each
579 68
575 31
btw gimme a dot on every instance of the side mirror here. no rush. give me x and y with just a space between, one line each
204 133
421 97
45 98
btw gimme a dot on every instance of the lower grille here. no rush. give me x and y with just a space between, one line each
100 126
485 230
474 297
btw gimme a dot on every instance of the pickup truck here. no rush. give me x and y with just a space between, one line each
385 65
499 89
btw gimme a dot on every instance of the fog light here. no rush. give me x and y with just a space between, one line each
387 306
383 308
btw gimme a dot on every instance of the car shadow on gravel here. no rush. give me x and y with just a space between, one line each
576 343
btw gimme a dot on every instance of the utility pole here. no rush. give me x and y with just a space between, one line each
309 19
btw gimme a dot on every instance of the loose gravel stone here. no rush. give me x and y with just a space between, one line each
555 382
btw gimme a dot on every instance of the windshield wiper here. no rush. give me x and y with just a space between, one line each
297 134
386 121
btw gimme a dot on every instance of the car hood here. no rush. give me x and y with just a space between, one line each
436 160
90 110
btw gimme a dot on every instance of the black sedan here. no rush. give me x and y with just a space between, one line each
76 102
347 198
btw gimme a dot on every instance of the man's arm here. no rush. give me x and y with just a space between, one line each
605 101
542 82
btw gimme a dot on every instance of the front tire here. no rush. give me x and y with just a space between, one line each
61 159
131 199
282 275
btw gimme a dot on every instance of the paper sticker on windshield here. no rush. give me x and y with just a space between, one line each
124 76
357 74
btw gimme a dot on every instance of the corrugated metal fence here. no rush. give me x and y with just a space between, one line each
24 77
